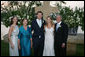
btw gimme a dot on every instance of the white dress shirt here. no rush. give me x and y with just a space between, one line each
39 22
58 25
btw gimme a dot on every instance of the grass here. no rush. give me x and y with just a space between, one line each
5 50
80 50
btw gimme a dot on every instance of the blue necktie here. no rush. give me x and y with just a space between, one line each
57 27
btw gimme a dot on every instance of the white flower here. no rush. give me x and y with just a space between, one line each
10 18
18 22
27 16
43 21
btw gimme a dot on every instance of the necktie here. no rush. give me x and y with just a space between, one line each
57 27
39 23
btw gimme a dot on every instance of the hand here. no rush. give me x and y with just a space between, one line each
63 45
12 46
19 47
31 42
31 45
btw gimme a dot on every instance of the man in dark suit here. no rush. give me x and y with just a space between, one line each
60 37
38 35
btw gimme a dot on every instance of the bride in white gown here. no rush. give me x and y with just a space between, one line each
49 38
13 38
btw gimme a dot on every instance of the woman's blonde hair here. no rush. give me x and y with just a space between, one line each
51 20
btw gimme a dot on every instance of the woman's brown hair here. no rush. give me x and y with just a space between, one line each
24 19
12 20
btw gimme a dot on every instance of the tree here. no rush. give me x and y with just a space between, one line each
20 9
73 18
81 16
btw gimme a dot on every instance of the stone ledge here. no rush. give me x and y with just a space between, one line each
72 43
78 39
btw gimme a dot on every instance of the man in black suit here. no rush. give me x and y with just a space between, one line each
38 35
60 37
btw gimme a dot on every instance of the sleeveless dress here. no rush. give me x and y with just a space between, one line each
49 42
14 38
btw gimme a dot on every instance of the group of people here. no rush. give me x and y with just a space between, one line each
45 37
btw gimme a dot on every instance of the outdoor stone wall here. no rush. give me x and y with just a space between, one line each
72 43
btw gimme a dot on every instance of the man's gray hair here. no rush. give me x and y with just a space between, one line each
58 15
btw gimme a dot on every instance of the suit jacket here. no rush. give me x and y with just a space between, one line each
61 35
38 32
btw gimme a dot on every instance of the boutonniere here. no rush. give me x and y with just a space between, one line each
29 26
43 21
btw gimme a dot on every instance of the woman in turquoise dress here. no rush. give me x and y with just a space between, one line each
25 39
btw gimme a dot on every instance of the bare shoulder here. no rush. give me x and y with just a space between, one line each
53 26
11 28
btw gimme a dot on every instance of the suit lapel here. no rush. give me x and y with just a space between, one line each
59 27
42 23
38 25
55 27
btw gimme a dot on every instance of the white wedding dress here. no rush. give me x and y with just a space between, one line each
49 42
14 38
